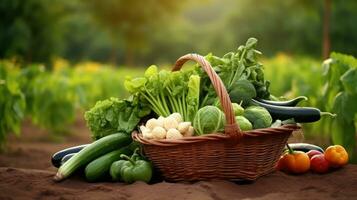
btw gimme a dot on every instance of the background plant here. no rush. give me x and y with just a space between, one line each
12 102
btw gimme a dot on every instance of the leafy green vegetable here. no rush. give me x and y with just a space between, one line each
168 92
193 97
258 116
234 67
151 88
208 119
242 92
114 115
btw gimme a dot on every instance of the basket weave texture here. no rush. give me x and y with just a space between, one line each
232 155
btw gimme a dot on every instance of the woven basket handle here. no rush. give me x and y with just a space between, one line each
231 128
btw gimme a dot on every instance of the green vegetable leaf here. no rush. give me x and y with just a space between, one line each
192 98
349 81
242 91
113 115
151 71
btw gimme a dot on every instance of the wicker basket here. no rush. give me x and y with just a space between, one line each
234 155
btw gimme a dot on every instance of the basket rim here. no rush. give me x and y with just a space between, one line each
136 136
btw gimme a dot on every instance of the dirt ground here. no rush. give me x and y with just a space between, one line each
26 173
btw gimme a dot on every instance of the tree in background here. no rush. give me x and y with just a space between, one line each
31 29
326 43
159 30
131 22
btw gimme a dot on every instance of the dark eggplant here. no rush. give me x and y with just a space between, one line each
289 103
305 147
299 114
67 157
57 157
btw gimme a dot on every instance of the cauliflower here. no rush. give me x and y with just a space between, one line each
183 127
170 127
170 122
158 133
160 121
190 132
146 132
152 123
177 116
173 134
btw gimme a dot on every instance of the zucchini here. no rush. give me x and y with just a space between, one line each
87 154
98 169
58 156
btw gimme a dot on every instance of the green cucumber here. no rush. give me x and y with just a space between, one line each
98 148
98 169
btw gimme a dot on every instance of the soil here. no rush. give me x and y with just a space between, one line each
26 173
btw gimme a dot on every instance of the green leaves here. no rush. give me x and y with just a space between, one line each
193 97
242 91
349 81
341 96
236 66
12 103
114 115
167 92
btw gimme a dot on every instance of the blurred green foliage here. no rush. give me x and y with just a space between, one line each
156 31
12 102
331 86
54 98
31 30
340 96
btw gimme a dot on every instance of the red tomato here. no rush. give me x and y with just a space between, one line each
312 153
319 164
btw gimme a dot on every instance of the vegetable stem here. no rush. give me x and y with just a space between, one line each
235 74
153 105
164 103
328 113
291 151
127 158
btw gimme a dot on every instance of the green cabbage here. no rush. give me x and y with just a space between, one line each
258 116
244 123
238 109
208 119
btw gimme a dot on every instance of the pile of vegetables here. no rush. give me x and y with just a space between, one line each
318 161
174 105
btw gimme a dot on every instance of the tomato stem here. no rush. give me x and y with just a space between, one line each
291 151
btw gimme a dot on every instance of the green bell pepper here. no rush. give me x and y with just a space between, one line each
131 169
